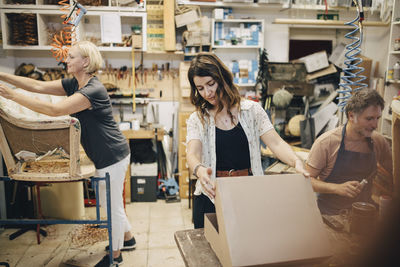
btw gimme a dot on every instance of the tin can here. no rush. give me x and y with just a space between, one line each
396 71
389 74
363 218
396 45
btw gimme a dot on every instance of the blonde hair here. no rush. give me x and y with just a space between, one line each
89 50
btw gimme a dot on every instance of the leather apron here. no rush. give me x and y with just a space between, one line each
349 166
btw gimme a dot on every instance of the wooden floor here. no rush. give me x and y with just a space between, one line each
153 225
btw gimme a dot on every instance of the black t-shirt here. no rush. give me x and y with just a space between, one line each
232 149
100 137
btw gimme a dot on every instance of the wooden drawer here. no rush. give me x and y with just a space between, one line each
184 191
184 178
182 163
182 149
183 116
182 134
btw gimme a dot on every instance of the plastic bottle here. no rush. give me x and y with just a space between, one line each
396 71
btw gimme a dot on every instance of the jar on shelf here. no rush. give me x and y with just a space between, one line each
396 71
396 45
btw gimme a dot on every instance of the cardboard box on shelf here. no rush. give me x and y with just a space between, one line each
315 61
278 229
367 65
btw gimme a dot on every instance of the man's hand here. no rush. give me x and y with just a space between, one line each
300 168
348 189
6 91
204 175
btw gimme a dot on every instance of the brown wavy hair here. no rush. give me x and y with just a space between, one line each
362 99
208 64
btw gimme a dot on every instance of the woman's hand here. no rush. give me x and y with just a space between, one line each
204 175
6 91
300 168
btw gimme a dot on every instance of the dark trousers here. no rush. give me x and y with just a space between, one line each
201 204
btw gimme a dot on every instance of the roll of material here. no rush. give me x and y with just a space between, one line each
282 98
294 125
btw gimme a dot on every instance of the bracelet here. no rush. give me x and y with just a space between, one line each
196 168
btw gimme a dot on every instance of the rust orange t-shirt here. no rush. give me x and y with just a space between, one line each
325 149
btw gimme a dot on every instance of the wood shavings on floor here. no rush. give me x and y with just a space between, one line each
87 234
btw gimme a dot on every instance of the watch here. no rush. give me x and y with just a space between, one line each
196 168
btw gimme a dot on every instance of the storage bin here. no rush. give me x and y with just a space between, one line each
143 188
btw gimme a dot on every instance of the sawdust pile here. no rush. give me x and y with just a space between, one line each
87 234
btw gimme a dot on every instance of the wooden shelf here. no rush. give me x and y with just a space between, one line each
324 23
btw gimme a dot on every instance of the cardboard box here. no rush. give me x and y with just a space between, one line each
367 65
283 225
187 18
315 61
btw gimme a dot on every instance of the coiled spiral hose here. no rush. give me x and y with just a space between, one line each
352 78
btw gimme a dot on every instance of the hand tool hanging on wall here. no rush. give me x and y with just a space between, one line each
352 78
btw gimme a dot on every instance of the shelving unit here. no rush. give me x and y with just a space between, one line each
392 86
232 37
107 5
88 29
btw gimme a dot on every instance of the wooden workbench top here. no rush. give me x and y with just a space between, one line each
144 134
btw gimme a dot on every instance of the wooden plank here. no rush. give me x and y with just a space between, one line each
143 134
195 249
317 22
396 146
128 185
6 152
169 25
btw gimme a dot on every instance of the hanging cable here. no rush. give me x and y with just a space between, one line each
67 36
352 78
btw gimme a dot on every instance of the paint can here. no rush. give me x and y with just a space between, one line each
363 218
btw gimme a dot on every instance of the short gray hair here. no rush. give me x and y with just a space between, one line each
89 50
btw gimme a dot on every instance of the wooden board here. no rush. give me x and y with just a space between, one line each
195 249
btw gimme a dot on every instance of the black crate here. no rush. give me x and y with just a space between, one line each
144 188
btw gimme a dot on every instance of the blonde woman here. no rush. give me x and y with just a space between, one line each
87 100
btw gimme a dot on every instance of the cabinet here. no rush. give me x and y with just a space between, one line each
31 27
392 86
242 40
182 163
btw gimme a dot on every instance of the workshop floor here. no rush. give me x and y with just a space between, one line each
153 225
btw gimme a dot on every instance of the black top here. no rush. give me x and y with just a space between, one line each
101 139
232 149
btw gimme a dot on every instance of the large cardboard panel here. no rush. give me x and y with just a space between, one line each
265 220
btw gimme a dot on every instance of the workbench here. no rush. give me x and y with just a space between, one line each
156 134
196 251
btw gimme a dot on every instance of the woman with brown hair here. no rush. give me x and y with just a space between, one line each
223 134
